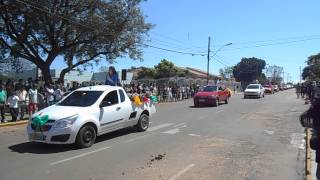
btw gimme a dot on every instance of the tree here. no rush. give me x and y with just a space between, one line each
83 32
16 65
165 69
249 69
226 72
263 79
312 70
275 74
146 73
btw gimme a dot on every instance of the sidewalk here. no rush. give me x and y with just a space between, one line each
18 122
313 165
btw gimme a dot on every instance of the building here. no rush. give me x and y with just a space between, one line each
71 77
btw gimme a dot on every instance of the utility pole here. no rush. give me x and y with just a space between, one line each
300 73
208 59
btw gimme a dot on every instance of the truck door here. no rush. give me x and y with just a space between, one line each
111 112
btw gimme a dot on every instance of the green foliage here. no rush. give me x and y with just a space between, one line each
146 73
249 69
312 70
263 79
83 32
275 74
165 69
226 72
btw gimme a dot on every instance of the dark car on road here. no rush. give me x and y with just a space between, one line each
268 89
211 95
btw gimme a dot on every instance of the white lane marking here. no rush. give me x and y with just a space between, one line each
194 135
268 132
203 117
79 156
159 126
298 140
137 138
181 172
219 111
181 124
172 131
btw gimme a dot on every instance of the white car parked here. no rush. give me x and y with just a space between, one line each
87 113
254 90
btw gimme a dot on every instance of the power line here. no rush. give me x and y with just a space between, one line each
176 40
170 50
277 39
219 61
272 44
167 44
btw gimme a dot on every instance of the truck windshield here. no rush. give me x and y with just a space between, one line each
253 87
210 88
81 98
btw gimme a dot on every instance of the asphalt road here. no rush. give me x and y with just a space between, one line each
246 139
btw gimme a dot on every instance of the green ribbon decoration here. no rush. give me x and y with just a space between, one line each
39 121
154 99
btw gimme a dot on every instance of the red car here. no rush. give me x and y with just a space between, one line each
268 89
211 96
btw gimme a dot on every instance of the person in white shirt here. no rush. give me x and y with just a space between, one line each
22 94
58 94
33 100
49 95
13 105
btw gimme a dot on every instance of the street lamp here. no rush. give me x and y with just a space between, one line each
208 57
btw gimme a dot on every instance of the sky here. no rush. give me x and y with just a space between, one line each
282 32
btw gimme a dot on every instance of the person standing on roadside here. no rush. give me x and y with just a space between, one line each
298 90
58 94
313 113
3 100
112 78
13 105
303 90
22 94
33 100
49 95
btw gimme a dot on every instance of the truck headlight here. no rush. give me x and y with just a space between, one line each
65 122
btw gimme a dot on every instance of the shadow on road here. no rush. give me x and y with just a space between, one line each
42 148
201 107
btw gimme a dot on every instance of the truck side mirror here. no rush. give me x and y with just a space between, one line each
105 104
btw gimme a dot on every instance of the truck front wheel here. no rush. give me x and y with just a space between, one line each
86 137
143 123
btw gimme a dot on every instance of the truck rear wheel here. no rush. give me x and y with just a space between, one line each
216 103
227 100
143 123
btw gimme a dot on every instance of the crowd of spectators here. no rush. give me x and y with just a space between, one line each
27 97
165 93
21 97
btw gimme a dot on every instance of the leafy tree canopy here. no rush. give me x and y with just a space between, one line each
84 32
165 69
226 72
249 69
312 70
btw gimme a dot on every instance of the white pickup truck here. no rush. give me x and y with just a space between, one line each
87 113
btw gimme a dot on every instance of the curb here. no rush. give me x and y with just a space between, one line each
308 155
13 123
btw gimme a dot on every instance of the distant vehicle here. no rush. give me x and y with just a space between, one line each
254 90
87 113
268 89
276 88
211 95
